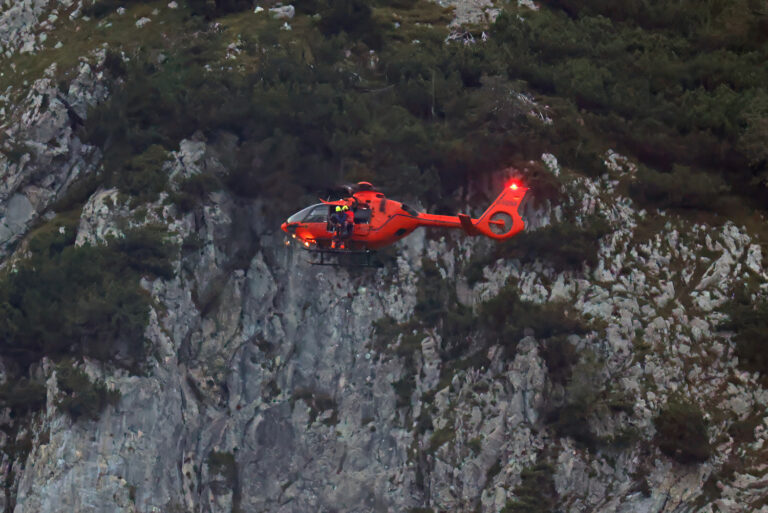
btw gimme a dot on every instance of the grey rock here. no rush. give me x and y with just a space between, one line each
755 259
18 212
18 23
54 157
283 12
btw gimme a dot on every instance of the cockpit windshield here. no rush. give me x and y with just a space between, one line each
315 214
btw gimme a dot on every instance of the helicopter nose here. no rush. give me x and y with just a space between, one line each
284 227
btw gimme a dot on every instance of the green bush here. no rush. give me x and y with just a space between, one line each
673 83
421 122
80 397
143 176
749 320
585 396
195 190
22 396
441 437
215 8
353 17
560 356
536 492
564 245
681 188
682 432
506 317
68 300
318 403
426 122
404 388
223 464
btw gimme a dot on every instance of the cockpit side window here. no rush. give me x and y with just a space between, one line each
318 214
299 216
312 214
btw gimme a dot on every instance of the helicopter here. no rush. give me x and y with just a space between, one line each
380 222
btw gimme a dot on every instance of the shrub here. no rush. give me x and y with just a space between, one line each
681 188
672 83
80 396
353 17
441 437
506 316
564 245
318 403
195 190
22 396
559 355
214 8
584 397
223 464
749 321
404 388
143 176
68 300
682 432
536 492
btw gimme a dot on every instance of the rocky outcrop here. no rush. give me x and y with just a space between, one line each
43 154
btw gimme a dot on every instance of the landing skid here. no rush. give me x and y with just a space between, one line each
343 257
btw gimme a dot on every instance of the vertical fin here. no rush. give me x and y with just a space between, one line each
502 219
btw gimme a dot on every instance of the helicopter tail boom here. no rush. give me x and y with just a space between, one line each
500 221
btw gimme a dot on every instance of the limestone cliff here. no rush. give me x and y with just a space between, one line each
272 384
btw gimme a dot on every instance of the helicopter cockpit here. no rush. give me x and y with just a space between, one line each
317 213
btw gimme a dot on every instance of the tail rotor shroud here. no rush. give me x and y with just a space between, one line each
502 219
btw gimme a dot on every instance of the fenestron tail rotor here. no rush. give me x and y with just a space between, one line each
502 219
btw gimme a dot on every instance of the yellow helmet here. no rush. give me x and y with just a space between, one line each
338 208
345 208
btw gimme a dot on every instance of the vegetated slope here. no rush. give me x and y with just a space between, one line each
581 358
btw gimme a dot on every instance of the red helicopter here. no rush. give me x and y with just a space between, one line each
379 222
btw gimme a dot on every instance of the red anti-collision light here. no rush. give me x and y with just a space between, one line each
513 186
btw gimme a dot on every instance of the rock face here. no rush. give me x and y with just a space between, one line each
272 385
267 391
17 24
46 155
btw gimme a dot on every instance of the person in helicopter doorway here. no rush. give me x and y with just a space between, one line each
337 220
349 221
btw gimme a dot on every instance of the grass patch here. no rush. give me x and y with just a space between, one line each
440 438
